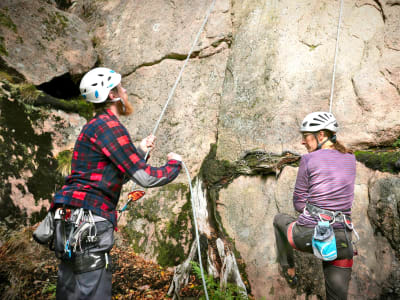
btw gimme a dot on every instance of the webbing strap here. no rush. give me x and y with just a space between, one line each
342 263
290 234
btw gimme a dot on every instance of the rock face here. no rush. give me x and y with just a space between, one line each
41 42
280 69
259 68
30 139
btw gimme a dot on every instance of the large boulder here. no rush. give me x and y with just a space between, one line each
280 69
247 208
41 42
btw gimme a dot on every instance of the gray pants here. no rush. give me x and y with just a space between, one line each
336 278
93 284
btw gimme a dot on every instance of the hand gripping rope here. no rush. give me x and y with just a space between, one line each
135 195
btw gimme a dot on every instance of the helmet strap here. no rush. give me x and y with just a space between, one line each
319 146
122 101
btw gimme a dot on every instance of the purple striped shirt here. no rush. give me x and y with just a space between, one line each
325 179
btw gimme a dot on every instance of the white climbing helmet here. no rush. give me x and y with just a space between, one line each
319 120
97 83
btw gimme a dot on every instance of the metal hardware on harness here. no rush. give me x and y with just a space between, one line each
332 217
328 215
82 229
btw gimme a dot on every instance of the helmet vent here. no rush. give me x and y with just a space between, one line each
305 124
100 75
314 124
319 120
109 77
323 117
102 84
94 84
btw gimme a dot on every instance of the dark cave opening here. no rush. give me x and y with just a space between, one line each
62 87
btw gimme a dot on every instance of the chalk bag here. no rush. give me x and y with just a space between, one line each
324 241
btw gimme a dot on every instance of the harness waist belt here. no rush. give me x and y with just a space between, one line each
328 215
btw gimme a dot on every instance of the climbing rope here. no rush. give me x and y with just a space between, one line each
156 128
336 51
196 229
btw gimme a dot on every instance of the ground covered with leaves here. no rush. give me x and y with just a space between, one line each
29 271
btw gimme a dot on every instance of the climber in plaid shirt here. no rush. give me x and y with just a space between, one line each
104 158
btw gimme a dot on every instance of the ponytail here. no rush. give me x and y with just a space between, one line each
336 144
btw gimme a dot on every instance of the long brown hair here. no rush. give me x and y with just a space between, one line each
336 144
123 110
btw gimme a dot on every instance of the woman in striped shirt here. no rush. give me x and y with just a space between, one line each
324 187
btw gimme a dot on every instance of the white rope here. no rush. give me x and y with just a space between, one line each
157 125
196 229
336 51
183 68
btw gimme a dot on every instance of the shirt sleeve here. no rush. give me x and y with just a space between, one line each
115 143
300 194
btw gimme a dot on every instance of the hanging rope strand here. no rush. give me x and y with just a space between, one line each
196 229
156 128
336 52
174 87
183 68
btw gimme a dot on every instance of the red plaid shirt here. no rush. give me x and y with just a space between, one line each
103 156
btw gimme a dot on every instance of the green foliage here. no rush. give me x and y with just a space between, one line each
64 159
397 143
50 289
215 292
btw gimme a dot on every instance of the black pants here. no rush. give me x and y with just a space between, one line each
96 284
287 234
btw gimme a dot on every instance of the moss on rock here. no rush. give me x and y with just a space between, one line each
6 21
384 161
171 229
215 171
24 151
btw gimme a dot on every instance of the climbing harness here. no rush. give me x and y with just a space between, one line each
156 128
335 58
332 217
75 235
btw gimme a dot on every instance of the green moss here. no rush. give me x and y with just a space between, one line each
3 50
170 235
169 254
4 75
6 21
176 229
214 171
135 237
28 92
55 24
80 106
379 160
